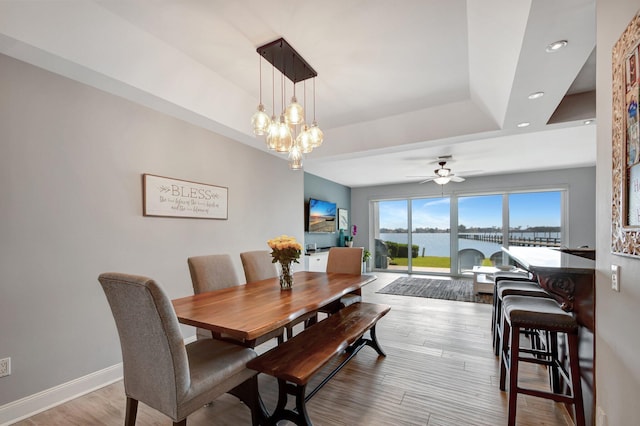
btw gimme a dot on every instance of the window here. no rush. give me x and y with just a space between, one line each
391 234
430 235
479 231
483 225
535 219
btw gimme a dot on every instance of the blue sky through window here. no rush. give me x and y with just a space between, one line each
535 209
525 210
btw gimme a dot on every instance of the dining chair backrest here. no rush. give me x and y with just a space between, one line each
258 265
212 272
155 364
345 260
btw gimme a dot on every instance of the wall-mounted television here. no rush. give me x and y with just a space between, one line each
322 216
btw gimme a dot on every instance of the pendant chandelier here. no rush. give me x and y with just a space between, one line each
287 132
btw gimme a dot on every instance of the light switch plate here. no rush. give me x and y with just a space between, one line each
615 277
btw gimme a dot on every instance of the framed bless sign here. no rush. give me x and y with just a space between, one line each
625 227
168 197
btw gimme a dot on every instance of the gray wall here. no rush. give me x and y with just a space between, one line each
323 189
617 314
579 182
71 207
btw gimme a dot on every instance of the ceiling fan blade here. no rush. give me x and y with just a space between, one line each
429 179
457 179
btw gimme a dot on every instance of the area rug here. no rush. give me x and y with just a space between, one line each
459 290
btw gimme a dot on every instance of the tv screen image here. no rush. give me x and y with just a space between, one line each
322 216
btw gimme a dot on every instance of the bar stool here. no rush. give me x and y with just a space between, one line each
514 275
510 288
522 312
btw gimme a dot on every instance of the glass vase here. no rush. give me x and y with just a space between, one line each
286 276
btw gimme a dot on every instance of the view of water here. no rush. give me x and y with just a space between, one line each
438 244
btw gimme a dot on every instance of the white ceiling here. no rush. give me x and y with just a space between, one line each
399 83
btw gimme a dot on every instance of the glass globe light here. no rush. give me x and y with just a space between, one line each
304 140
284 137
272 133
317 136
294 114
260 121
295 158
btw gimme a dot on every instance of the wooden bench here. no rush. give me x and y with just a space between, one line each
297 360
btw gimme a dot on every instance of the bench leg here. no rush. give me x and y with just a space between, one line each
374 342
247 392
299 416
301 406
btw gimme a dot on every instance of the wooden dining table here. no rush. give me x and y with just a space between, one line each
247 312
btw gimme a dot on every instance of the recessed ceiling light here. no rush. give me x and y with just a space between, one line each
524 124
536 95
587 122
557 45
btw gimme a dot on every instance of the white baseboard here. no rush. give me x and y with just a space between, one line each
41 401
31 405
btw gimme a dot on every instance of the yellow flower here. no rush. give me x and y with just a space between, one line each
285 249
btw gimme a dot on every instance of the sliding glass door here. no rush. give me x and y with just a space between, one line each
452 235
430 235
479 231
392 235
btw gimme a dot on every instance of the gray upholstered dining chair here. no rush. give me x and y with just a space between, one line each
214 272
159 370
258 265
208 273
345 260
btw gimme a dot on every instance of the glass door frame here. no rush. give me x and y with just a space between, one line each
374 216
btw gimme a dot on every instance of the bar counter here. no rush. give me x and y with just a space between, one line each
570 279
567 277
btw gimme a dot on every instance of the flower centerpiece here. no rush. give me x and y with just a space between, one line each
285 250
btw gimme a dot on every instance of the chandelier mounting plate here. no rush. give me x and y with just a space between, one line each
281 55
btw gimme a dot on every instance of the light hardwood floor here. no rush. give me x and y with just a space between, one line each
439 370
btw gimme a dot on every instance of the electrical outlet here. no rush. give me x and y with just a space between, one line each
615 277
5 367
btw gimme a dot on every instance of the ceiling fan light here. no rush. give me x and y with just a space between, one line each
441 180
443 172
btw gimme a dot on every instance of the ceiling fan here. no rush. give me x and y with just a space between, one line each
443 175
